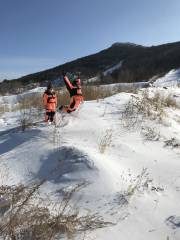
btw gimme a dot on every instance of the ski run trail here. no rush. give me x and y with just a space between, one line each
133 181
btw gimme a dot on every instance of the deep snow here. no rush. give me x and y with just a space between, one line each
70 154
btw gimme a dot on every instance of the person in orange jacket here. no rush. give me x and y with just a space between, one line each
73 85
50 103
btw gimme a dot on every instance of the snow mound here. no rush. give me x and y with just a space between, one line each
172 78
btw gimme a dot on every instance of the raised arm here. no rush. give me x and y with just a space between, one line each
68 83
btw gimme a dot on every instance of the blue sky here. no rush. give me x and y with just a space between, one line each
40 34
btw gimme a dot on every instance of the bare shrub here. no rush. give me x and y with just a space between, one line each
30 217
130 116
164 100
31 109
26 113
150 134
144 107
171 102
36 102
139 183
105 141
29 101
152 106
142 182
173 143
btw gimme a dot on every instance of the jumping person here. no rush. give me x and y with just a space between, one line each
50 103
73 85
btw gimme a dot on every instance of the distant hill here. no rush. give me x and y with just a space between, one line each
139 63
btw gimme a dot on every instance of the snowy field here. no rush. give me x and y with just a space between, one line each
133 173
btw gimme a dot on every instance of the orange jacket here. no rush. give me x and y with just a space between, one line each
50 100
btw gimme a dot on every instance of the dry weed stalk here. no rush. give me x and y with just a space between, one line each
145 106
105 141
30 218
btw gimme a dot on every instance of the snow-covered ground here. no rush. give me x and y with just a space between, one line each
134 182
172 78
11 100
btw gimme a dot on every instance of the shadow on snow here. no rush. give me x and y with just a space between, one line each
16 139
67 164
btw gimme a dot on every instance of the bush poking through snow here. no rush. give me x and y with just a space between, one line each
146 107
150 134
134 185
105 141
130 116
140 183
30 218
173 142
30 109
26 113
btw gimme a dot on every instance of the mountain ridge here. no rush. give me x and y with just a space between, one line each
140 63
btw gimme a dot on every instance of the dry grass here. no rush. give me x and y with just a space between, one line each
150 134
26 112
173 143
137 184
34 101
96 92
89 92
30 218
4 109
63 97
169 101
140 183
105 141
30 108
146 106
101 92
26 101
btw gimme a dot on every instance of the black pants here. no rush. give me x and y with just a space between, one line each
50 116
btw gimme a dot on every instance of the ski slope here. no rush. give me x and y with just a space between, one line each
113 68
134 184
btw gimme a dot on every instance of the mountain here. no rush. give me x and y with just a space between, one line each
139 63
